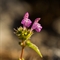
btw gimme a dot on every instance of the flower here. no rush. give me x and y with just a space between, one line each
26 22
25 34
36 25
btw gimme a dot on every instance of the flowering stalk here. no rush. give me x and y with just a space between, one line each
24 34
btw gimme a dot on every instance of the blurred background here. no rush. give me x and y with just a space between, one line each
48 40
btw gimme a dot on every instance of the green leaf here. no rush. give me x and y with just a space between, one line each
34 47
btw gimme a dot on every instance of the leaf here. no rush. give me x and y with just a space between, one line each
34 47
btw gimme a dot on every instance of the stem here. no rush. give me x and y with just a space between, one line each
22 53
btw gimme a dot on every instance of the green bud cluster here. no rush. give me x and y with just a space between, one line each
23 34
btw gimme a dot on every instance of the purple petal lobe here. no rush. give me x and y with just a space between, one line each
36 26
37 20
26 15
26 21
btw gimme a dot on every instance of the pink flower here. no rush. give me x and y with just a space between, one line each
36 26
26 21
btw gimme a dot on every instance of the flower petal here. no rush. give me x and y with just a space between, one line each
26 15
37 20
26 22
36 26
